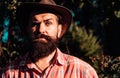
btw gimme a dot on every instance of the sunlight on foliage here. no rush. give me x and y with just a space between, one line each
107 66
88 43
117 13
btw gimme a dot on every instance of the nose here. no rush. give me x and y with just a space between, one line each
41 28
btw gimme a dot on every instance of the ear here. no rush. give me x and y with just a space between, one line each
59 30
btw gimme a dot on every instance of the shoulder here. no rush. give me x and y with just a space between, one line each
75 60
80 66
72 60
79 63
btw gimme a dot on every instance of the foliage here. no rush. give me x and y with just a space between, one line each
87 43
107 66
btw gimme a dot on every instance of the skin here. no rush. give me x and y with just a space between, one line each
47 24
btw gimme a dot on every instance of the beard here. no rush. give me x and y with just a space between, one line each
42 48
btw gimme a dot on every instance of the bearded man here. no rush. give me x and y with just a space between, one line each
43 24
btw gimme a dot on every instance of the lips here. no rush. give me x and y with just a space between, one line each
40 40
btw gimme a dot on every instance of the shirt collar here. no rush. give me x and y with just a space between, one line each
60 58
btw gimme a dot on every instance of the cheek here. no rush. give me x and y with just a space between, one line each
53 29
53 32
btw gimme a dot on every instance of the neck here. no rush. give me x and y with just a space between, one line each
44 62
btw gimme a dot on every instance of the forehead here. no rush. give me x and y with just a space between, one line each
43 16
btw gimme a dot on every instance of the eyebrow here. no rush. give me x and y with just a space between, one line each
35 20
48 19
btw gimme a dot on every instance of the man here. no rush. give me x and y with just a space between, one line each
43 24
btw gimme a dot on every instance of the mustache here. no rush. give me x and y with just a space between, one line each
42 36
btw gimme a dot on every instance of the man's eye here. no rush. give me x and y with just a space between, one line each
48 23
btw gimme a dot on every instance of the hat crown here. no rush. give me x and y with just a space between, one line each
49 2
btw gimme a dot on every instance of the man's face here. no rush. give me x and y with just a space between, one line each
44 31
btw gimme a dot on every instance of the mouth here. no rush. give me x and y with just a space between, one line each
40 40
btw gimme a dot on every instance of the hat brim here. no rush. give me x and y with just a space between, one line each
25 9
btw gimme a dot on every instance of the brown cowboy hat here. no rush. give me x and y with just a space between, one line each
25 9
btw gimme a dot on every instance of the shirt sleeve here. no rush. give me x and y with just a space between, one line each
87 71
91 73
